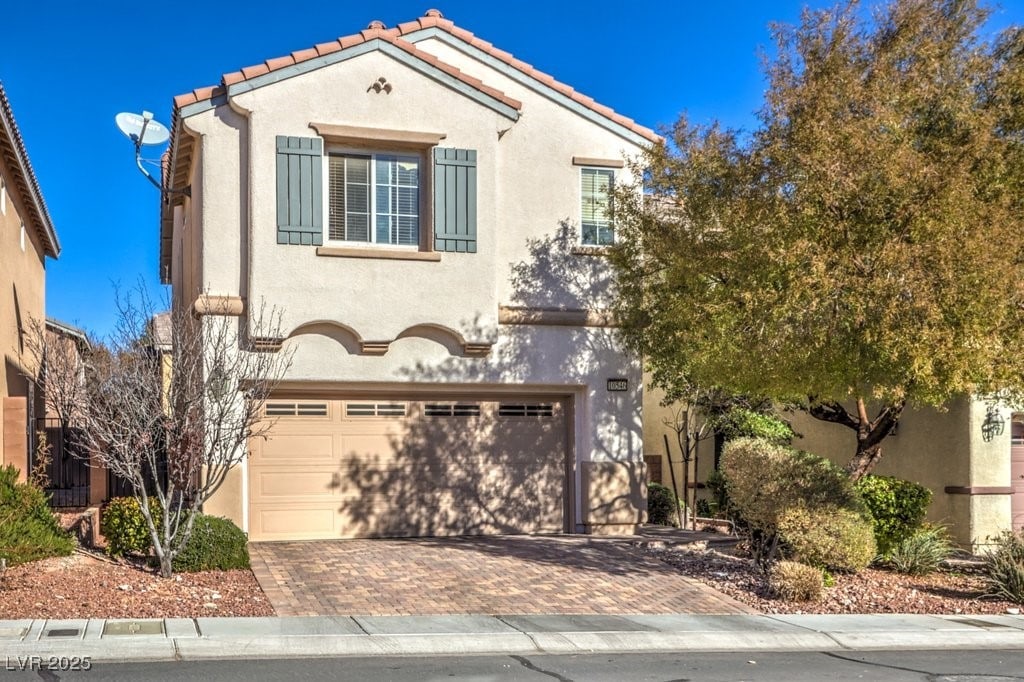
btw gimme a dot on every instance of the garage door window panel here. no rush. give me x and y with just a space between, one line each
296 409
370 409
451 410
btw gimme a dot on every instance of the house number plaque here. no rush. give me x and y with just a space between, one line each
618 384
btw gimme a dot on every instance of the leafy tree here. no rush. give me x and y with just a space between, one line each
861 249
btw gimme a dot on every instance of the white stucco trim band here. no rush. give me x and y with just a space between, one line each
527 81
599 163
359 135
556 317
375 45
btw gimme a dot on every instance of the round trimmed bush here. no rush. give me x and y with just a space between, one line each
215 544
662 505
897 506
828 537
765 479
125 528
740 422
794 581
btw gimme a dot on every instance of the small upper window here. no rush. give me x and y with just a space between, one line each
23 236
3 197
374 199
596 186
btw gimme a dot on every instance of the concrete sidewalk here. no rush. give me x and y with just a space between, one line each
225 638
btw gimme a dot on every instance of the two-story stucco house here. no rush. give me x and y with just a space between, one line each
27 239
428 212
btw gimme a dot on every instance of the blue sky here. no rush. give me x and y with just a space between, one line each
69 67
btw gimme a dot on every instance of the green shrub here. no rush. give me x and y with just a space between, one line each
1004 568
794 581
764 479
718 488
662 505
125 528
922 552
828 537
28 529
215 544
897 506
740 422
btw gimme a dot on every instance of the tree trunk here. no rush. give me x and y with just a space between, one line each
870 432
864 460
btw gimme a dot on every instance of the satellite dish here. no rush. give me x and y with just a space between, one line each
142 129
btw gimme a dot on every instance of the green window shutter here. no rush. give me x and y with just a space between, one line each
300 190
455 200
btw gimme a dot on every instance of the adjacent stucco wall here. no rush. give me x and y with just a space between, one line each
22 293
989 468
936 448
658 421
528 201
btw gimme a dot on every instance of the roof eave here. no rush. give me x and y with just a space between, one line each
25 177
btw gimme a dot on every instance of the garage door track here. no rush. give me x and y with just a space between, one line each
504 575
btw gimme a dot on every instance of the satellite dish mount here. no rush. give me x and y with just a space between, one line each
144 130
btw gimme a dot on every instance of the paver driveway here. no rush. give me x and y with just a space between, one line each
476 575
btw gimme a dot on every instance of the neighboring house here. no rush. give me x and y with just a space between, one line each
70 479
27 238
428 214
970 456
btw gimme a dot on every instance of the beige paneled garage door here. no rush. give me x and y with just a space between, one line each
402 468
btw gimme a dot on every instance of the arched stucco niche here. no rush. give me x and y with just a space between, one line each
451 340
345 336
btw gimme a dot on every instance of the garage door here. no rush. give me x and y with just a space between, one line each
338 468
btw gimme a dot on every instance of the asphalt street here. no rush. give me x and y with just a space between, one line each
894 666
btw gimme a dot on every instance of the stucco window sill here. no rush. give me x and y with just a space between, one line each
383 254
601 251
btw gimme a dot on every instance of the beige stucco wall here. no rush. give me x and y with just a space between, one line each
657 425
22 292
528 203
936 448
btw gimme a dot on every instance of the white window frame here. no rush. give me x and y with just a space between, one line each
422 188
3 196
582 197
22 236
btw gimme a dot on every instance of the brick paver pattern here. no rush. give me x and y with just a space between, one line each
507 575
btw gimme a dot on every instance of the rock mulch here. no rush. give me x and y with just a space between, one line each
872 591
85 585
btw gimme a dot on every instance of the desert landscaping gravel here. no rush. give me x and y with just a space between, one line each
87 586
872 591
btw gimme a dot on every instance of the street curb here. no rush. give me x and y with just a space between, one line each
261 638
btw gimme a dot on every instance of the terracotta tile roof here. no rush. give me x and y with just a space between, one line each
434 19
12 148
375 31
431 19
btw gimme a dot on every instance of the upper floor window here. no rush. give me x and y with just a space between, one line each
22 236
3 197
596 185
374 198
